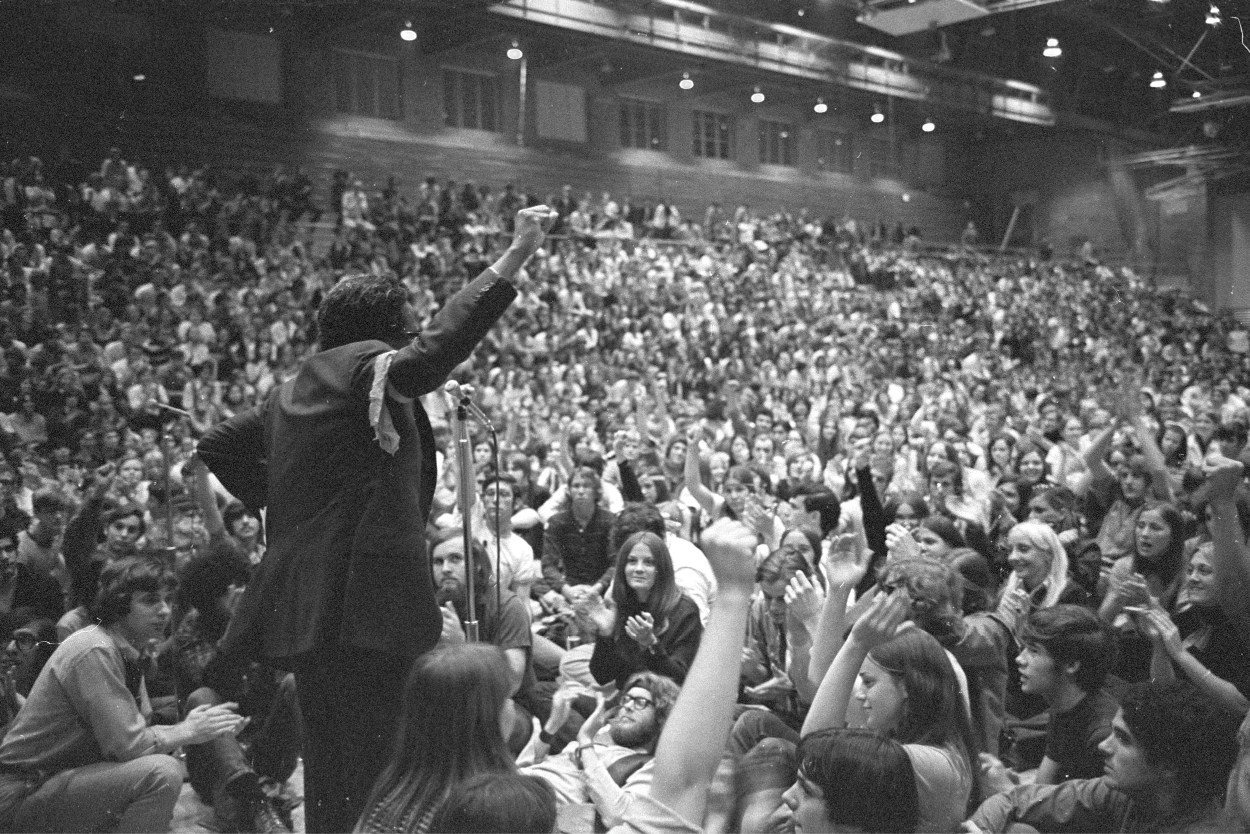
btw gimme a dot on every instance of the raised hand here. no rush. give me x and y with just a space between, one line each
901 544
531 228
880 622
730 548
803 599
846 563
1224 475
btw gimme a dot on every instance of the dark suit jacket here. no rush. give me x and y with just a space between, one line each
346 563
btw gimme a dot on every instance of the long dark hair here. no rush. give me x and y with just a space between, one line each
1167 566
448 732
664 595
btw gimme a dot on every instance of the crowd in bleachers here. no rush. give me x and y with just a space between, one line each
984 509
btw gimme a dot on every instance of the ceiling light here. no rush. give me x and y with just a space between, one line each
757 97
1052 49
1157 81
1213 16
140 77
820 106
928 126
408 33
514 52
1197 94
877 116
686 83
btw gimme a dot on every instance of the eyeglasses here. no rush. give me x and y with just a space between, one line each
637 702
25 641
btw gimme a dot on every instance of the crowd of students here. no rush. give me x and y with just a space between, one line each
980 517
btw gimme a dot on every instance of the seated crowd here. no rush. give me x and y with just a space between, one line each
787 526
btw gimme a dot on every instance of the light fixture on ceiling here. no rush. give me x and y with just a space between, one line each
877 116
408 33
1197 94
1213 16
514 51
686 83
140 77
1052 49
1157 81
757 97
928 126
820 106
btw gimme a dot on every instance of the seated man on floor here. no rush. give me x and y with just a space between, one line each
1168 759
243 776
607 765
1068 651
81 755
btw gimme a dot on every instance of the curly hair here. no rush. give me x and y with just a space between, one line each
359 308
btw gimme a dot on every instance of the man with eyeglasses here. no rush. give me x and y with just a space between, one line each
24 594
608 764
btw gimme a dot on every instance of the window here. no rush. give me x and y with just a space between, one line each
642 125
881 158
469 99
776 143
366 85
834 151
713 135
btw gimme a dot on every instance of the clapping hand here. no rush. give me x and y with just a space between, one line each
641 629
594 722
1155 623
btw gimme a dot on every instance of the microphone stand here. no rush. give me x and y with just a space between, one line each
464 462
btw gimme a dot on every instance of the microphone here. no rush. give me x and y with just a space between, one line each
462 395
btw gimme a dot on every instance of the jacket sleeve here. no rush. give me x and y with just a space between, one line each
1075 805
675 650
449 338
234 451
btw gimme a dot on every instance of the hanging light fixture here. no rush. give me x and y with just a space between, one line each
1197 94
686 83
408 33
514 52
877 116
1157 81
928 126
820 106
1052 49
1213 16
757 97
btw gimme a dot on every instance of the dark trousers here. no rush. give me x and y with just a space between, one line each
350 700
273 739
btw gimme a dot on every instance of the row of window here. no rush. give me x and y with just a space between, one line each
367 85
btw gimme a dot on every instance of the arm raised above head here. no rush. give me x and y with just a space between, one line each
697 731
